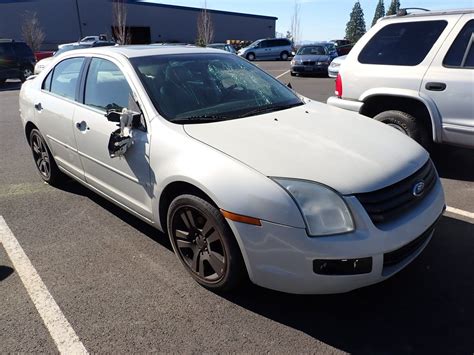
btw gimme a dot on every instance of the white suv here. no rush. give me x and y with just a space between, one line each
415 71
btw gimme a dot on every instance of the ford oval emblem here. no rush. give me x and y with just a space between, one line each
418 189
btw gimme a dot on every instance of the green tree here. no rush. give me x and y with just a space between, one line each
355 28
379 12
394 7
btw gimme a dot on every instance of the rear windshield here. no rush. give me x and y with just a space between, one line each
405 43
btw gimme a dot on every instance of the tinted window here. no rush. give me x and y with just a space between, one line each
6 49
22 50
65 77
405 43
106 86
313 50
263 44
462 47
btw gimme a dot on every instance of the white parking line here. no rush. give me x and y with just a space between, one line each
279 76
460 212
61 331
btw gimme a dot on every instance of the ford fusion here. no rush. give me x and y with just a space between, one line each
247 178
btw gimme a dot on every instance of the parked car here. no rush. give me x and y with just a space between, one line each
335 66
39 67
87 40
16 60
272 48
206 147
43 54
340 42
311 59
415 72
223 46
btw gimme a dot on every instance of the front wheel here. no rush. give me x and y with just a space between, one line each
251 56
407 124
44 161
204 243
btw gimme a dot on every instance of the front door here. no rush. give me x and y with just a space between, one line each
125 179
448 82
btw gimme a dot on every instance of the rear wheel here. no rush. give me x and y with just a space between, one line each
407 124
204 243
25 73
251 56
284 56
44 161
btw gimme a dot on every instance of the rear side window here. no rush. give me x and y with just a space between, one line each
461 53
65 77
106 86
405 43
22 50
6 49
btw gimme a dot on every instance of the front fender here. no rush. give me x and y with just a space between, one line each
232 185
430 105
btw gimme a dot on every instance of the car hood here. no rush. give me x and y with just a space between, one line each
346 151
310 57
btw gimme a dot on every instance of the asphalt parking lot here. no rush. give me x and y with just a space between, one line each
121 288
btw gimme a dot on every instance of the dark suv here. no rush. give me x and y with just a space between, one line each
16 60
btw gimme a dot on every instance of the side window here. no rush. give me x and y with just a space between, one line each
461 53
106 86
6 49
65 77
404 43
263 44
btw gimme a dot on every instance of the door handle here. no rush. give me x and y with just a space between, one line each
82 126
435 86
38 107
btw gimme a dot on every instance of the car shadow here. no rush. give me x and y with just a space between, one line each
76 188
426 308
5 272
10 86
454 162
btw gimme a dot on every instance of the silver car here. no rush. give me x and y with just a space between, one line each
205 146
273 48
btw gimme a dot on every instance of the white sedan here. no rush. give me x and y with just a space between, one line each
246 177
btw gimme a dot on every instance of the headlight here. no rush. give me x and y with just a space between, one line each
293 62
335 65
323 210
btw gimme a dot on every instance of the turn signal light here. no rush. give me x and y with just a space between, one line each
240 218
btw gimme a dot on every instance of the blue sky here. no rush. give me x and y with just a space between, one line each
320 19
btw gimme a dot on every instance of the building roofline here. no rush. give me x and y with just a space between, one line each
196 9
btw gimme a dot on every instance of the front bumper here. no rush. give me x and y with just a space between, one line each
302 69
283 258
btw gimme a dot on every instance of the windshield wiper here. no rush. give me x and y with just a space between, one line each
270 108
200 119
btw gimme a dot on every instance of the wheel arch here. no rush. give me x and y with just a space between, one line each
28 128
411 102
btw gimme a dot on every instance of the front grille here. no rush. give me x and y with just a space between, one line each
309 62
391 202
397 256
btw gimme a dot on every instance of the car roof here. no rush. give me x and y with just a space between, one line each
133 51
402 15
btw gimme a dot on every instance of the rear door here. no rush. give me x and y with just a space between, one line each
55 107
449 82
125 179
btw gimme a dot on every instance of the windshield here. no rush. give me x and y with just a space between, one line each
199 87
312 50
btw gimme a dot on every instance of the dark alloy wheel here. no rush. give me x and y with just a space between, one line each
44 161
204 243
25 73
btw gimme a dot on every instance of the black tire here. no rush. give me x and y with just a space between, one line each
25 73
406 123
292 73
250 56
205 244
284 56
44 161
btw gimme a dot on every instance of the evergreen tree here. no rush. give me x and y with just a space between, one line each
394 7
379 12
355 28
